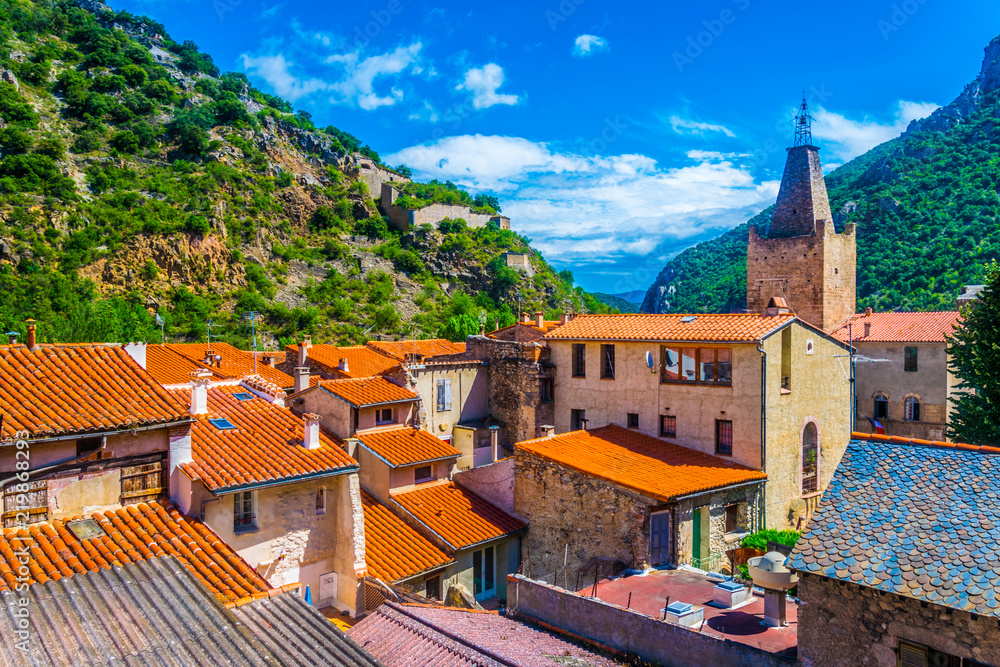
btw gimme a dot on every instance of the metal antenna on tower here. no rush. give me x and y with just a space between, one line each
803 124
252 315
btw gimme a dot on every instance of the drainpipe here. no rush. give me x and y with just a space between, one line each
763 432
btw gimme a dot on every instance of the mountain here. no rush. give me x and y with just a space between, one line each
138 183
619 302
925 203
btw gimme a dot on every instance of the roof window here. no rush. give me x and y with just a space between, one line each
688 319
243 396
222 424
85 529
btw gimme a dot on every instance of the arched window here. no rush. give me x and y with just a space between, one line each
911 409
810 459
880 407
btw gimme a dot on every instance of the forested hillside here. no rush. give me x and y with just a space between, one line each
926 205
137 180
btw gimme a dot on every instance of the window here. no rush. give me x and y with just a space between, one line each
724 437
141 484
911 409
910 359
912 654
810 459
443 395
577 420
423 474
545 390
659 539
579 360
633 420
86 446
222 424
608 362
880 407
668 426
432 588
244 517
320 501
243 396
483 573
705 365
24 503
732 518
383 416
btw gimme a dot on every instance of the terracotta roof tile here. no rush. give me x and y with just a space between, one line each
236 363
899 327
171 367
360 392
425 348
393 550
458 515
265 446
407 446
640 462
132 534
362 361
735 328
64 389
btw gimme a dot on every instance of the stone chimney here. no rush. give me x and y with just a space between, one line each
199 392
525 318
11 337
547 431
30 341
351 445
179 452
304 350
310 436
138 352
868 312
342 365
563 319
540 319
301 378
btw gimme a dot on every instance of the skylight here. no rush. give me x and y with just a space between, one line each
242 396
688 319
85 529
222 424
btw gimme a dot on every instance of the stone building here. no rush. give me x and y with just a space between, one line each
618 495
768 391
527 329
405 219
902 381
802 258
899 564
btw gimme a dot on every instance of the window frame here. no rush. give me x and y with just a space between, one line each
911 409
911 355
632 418
379 421
717 365
575 417
720 430
443 394
880 400
671 431
417 479
607 361
545 390
35 512
732 518
809 483
248 519
321 501
579 360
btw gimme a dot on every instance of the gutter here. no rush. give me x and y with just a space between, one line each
79 434
763 430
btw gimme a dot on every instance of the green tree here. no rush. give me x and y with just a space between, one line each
974 350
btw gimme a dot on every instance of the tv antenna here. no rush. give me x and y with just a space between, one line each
252 316
159 323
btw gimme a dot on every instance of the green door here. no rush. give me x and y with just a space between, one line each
699 537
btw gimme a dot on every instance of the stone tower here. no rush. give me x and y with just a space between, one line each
803 258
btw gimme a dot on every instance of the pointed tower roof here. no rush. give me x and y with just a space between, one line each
802 198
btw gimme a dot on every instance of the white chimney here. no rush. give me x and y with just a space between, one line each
199 392
179 453
310 437
547 431
524 318
304 350
138 352
301 378
342 365
494 442
539 319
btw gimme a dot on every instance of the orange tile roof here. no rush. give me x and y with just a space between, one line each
362 361
459 516
728 328
425 348
899 327
394 550
265 446
407 446
236 363
63 389
360 392
171 367
640 462
133 534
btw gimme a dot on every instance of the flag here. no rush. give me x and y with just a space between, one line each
876 425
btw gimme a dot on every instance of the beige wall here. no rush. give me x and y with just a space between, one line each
313 544
379 479
468 395
402 413
932 384
334 414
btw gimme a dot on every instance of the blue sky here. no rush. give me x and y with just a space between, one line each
614 133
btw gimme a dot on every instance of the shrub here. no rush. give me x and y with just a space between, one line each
87 141
14 141
376 227
285 179
759 539
52 146
453 226
193 140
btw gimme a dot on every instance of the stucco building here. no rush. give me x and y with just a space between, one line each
768 391
902 380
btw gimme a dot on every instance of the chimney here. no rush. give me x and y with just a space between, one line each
539 319
304 350
199 392
351 445
179 449
301 378
868 312
138 352
573 316
524 318
30 342
342 365
547 431
583 424
310 437
495 441
868 329
209 359
563 319
12 337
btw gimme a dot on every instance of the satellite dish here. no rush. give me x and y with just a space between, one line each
649 359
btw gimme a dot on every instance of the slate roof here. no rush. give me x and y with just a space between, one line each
639 462
458 515
362 361
156 612
915 520
59 390
899 327
362 392
393 550
264 448
424 636
709 328
132 534
407 446
236 363
425 348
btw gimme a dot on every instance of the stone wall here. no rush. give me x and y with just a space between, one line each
405 219
846 624
625 630
802 197
519 261
493 481
371 174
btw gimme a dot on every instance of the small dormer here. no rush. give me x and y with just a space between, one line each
777 306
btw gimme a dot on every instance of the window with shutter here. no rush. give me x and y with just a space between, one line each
608 362
25 502
443 395
141 484
912 655
579 360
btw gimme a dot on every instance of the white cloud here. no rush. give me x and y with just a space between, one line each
276 71
845 138
483 83
358 84
588 45
687 126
